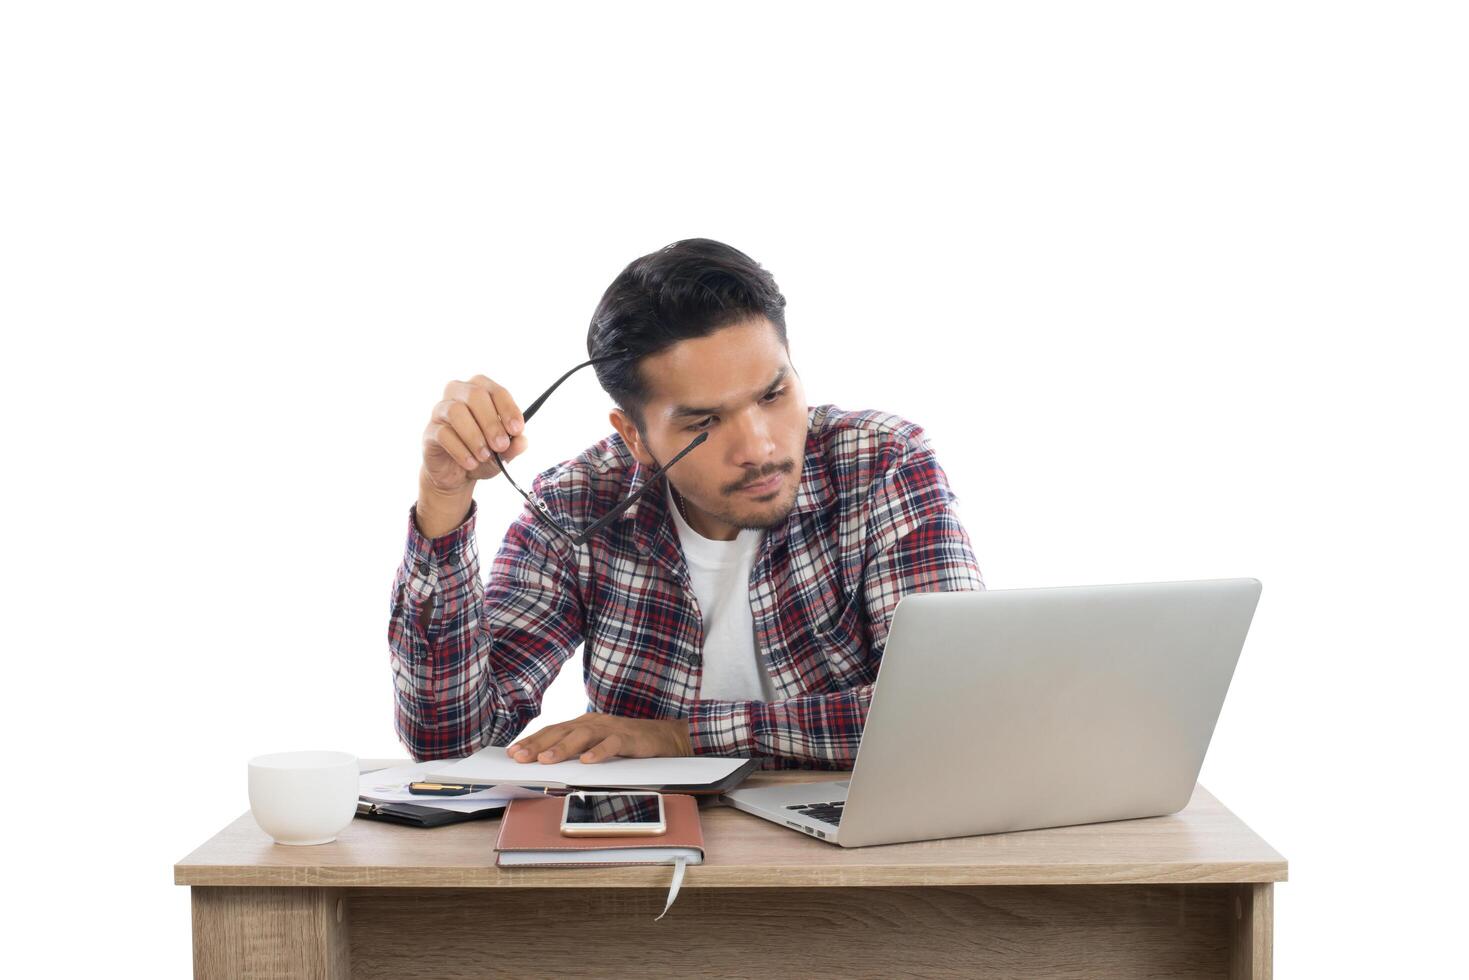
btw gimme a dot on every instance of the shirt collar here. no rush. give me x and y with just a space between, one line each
815 492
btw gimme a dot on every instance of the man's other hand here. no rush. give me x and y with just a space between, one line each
595 737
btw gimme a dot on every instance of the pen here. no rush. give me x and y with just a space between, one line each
445 789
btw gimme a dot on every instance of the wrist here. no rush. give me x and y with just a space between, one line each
439 512
679 729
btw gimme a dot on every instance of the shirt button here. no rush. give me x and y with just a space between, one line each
696 660
451 559
422 567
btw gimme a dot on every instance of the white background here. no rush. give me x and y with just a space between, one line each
1178 291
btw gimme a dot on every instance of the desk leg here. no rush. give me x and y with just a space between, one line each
270 932
1253 934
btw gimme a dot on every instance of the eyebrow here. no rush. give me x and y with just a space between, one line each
694 411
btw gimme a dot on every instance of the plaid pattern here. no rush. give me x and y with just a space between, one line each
873 520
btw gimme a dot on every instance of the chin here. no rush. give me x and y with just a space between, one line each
765 515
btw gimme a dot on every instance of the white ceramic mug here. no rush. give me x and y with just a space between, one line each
303 797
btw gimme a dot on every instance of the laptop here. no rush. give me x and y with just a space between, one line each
1018 709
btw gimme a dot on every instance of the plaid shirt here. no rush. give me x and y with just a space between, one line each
873 520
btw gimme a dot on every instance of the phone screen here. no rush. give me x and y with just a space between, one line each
614 809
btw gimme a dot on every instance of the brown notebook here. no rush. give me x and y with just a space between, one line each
530 834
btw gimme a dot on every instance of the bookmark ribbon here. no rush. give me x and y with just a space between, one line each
673 888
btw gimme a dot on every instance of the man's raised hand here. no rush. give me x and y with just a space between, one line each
474 417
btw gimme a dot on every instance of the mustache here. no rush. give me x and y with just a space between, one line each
765 473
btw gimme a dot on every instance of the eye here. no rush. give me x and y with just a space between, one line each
700 425
771 396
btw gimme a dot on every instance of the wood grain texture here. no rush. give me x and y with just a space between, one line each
1203 843
1096 931
269 933
1253 938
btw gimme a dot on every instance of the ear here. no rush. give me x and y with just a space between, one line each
630 435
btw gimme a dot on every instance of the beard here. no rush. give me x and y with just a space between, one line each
766 515
760 515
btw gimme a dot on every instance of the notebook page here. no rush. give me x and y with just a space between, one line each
491 765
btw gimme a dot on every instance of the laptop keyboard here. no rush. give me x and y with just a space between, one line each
827 813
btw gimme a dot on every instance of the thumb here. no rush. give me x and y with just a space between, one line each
518 445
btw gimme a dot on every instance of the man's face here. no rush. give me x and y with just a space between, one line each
738 385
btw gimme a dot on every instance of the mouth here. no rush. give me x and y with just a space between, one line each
766 486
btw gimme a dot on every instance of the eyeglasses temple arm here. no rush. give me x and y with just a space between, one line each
652 482
535 406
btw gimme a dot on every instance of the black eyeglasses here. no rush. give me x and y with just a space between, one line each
539 506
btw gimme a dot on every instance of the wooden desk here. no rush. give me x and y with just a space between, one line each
1187 895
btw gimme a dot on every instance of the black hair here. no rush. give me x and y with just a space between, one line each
685 290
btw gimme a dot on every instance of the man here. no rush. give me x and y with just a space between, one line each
738 608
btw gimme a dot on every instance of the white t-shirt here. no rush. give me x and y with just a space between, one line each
720 574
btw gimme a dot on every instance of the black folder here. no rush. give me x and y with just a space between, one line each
418 815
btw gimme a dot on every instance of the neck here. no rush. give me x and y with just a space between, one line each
704 524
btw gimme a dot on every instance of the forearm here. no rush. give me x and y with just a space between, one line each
451 713
435 640
817 731
470 668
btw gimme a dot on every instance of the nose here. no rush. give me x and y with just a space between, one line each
751 443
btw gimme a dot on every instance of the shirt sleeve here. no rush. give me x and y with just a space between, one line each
470 669
916 544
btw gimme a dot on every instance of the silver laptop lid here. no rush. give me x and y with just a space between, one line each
1025 708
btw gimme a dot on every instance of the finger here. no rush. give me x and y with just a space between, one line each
444 414
505 405
458 415
449 442
573 742
522 751
603 750
482 407
517 446
547 736
532 745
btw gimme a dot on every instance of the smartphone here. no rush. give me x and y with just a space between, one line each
612 814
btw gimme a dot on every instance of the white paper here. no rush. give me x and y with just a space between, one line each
492 765
451 803
679 857
604 855
391 786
